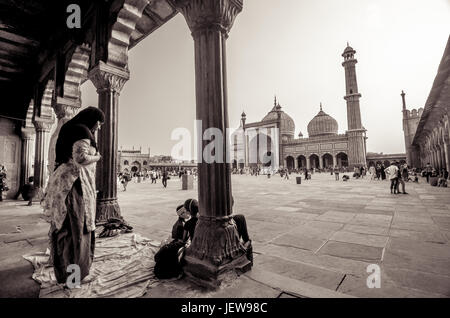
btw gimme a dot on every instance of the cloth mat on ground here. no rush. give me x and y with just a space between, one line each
122 268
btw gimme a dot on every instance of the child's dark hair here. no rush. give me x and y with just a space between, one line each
191 205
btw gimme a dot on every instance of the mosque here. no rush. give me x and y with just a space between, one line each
323 148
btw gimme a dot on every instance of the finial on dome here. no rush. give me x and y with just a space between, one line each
275 101
321 106
243 114
348 44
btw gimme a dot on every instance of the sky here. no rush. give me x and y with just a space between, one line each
291 49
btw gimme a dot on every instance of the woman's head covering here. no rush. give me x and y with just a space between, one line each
79 127
191 205
88 117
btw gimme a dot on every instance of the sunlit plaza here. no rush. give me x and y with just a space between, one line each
314 239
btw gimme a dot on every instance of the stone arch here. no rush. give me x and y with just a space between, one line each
314 160
67 106
290 162
259 156
121 32
342 160
44 118
327 160
136 166
301 161
126 163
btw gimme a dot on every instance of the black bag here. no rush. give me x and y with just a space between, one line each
167 260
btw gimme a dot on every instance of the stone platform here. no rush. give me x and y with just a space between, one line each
310 240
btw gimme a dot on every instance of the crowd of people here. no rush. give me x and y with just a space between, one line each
152 175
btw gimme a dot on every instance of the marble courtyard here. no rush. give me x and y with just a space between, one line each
310 240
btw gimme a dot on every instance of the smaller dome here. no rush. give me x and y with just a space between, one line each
300 135
322 125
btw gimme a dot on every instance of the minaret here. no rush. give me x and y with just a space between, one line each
411 120
356 132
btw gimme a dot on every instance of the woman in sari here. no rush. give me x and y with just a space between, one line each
70 200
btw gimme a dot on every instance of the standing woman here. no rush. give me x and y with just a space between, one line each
70 199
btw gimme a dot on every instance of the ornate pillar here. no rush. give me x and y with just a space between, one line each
65 109
43 127
321 161
447 154
25 165
216 249
335 160
308 162
109 81
296 163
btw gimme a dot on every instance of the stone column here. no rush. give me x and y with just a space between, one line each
447 155
109 81
321 161
308 162
25 165
215 250
335 161
65 109
43 128
296 163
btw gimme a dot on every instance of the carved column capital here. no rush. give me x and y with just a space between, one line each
65 107
209 14
27 133
42 125
107 77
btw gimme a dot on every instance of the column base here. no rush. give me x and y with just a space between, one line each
107 209
206 275
216 253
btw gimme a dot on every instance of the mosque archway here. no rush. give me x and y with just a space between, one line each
260 151
327 160
342 160
136 167
314 161
301 162
290 163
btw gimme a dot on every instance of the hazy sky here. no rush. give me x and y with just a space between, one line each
291 48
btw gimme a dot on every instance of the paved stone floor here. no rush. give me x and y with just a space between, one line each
311 240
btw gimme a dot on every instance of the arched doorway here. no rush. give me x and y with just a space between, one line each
327 160
342 160
136 167
301 162
267 159
314 161
290 163
260 151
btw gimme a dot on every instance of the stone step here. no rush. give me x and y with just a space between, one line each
292 286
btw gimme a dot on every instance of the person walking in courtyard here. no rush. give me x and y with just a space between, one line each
400 179
70 198
392 172
428 171
383 172
336 173
165 176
